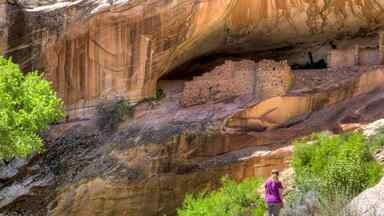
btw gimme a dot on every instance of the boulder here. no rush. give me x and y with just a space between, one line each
370 202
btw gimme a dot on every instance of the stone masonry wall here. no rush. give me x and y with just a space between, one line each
369 56
3 27
343 57
273 78
264 79
355 56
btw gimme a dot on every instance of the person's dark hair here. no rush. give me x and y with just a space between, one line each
275 171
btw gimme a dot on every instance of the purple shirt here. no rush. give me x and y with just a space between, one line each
272 193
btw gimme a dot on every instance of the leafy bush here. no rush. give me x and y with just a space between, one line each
27 105
335 167
110 114
342 163
330 170
231 199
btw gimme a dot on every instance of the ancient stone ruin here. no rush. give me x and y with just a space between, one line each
264 79
357 55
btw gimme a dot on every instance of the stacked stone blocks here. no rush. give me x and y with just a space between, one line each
263 79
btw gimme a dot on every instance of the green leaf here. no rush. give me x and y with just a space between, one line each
28 104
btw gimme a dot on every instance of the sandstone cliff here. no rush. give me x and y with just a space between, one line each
146 164
97 52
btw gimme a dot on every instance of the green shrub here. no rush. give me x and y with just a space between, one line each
111 114
231 199
28 105
330 170
342 164
158 94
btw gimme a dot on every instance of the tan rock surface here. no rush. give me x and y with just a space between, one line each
193 161
3 27
97 50
276 111
163 193
151 161
369 202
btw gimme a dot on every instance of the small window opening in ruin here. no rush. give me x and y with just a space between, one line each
332 45
311 64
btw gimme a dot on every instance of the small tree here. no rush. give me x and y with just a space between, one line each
28 105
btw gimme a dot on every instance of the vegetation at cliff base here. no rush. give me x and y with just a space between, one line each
240 199
28 105
111 114
335 167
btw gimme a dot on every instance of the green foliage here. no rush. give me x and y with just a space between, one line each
341 164
110 114
158 94
27 105
231 199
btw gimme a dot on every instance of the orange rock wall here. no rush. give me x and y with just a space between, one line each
381 46
121 51
161 193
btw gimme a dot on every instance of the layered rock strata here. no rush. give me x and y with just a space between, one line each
98 50
150 161
277 111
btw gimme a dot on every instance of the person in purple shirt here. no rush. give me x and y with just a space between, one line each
273 194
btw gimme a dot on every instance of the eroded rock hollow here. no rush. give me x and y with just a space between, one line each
97 50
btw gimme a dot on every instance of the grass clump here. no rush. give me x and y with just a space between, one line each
232 199
335 168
